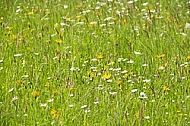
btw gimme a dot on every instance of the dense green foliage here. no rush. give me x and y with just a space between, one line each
95 63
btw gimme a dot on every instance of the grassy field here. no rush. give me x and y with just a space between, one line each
95 63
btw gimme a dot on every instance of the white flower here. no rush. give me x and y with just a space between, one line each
71 105
93 68
51 100
187 25
113 93
63 24
130 2
130 61
25 114
183 34
1 60
136 28
43 104
144 4
134 90
71 95
87 110
124 60
94 59
109 81
36 54
137 53
56 57
17 55
144 65
10 90
110 23
84 106
14 98
146 80
25 76
101 25
93 23
65 6
72 69
96 102
147 117
117 69
125 71
161 68
119 59
143 95
108 18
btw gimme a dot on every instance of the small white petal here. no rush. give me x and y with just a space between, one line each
84 106
10 90
137 53
109 81
187 25
144 4
51 100
43 104
71 106
146 80
17 55
130 61
1 60
147 117
134 90
113 93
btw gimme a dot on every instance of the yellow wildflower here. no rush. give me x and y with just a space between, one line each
90 74
67 19
14 37
105 67
188 57
79 6
57 50
124 21
166 88
70 89
119 83
168 20
54 113
36 94
160 56
165 64
136 115
100 56
19 81
55 92
179 26
131 73
1 20
30 13
174 19
32 30
106 76
78 18
47 84
149 20
126 76
59 41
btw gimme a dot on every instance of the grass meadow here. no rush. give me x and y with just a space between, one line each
95 63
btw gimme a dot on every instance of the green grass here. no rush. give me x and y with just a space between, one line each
112 63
